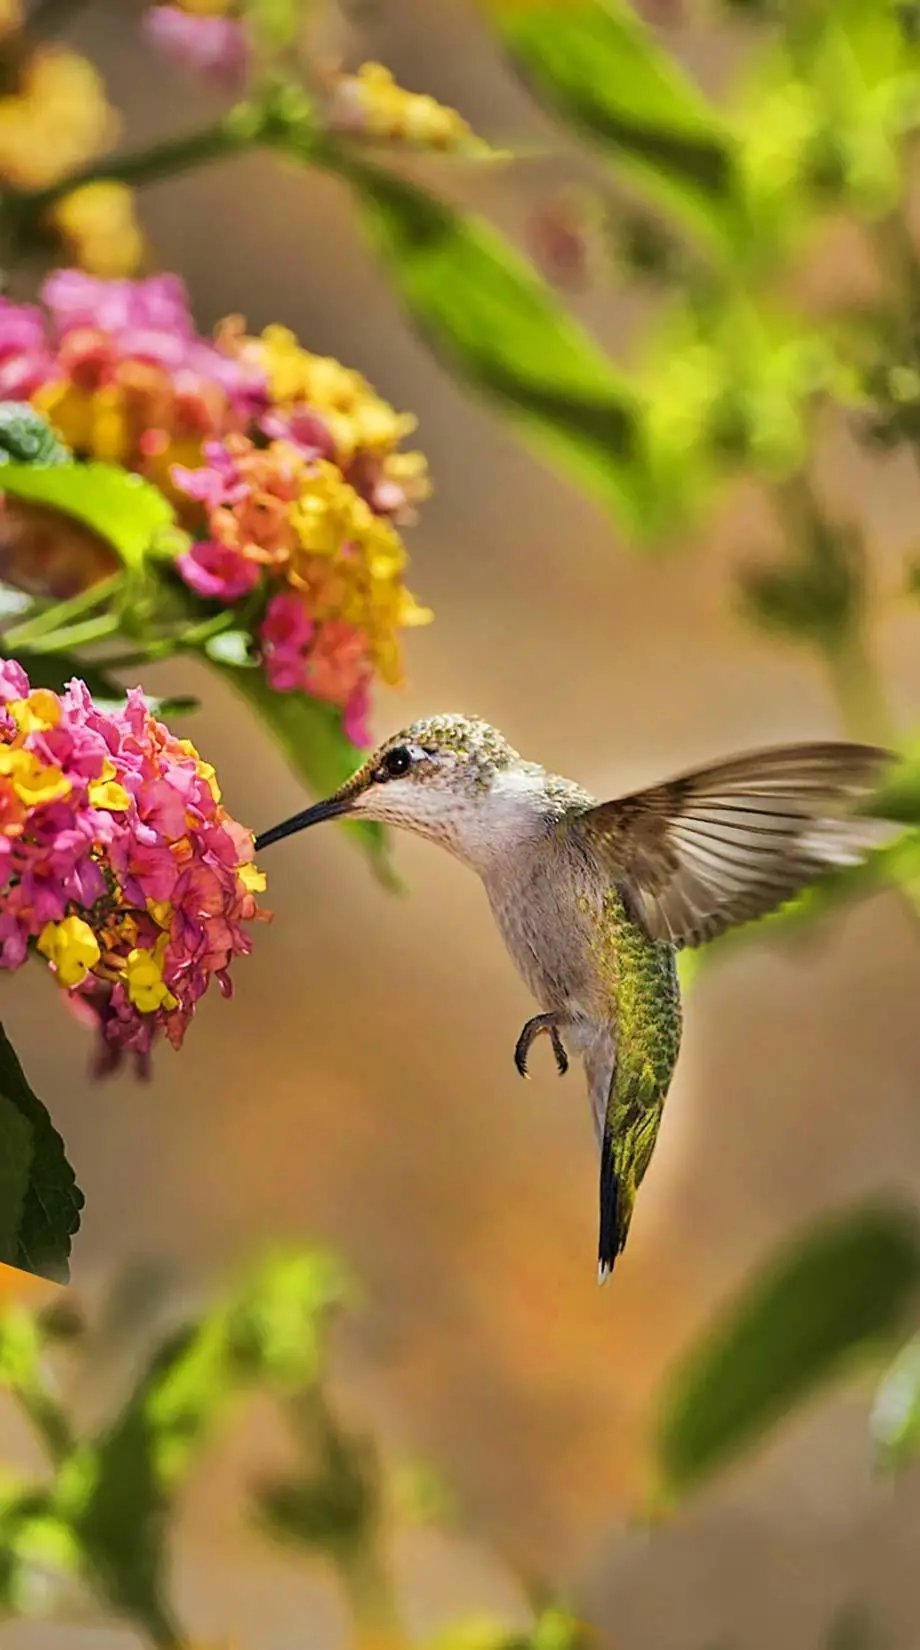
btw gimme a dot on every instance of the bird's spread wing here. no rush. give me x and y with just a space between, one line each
734 840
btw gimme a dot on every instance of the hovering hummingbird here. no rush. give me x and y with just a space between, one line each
595 899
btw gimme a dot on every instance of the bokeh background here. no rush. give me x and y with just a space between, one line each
361 1090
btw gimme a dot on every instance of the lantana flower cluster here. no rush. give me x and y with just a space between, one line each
287 469
118 863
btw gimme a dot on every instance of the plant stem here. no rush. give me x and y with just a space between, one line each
54 618
75 635
369 1594
238 130
167 648
858 692
281 118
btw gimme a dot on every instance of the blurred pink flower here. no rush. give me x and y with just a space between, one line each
26 358
285 634
212 46
217 572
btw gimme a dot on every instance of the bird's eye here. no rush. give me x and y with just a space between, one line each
395 763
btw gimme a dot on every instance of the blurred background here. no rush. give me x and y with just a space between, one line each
361 1091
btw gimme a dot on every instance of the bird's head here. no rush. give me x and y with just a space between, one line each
453 779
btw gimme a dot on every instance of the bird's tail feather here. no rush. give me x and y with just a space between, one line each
609 1241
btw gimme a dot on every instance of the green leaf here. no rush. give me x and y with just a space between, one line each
502 330
311 736
899 797
40 1201
836 1294
122 508
895 1421
594 63
27 438
116 1492
275 23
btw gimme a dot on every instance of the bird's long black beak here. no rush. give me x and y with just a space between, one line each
330 809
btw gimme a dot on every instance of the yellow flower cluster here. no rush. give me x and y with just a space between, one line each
54 120
359 421
372 105
98 225
349 563
57 118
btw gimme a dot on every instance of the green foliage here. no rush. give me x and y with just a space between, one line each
101 1517
896 1414
104 1514
830 1300
40 1201
502 330
27 438
122 508
597 66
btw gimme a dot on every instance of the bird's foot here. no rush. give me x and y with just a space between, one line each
549 1023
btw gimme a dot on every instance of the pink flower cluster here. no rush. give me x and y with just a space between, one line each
328 661
118 863
287 469
120 371
211 44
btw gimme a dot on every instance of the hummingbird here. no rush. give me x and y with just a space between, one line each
594 899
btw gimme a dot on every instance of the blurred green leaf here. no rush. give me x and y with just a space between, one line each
816 596
896 1415
503 331
855 1629
594 63
33 1547
115 1493
899 797
838 1293
276 23
40 1201
336 1501
311 736
126 511
231 647
27 438
333 1509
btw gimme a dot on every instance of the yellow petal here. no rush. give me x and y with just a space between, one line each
72 947
252 878
105 793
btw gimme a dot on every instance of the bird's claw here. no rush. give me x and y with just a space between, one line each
533 1028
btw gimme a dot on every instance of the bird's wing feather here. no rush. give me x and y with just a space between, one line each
727 843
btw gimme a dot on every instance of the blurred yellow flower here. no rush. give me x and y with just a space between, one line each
98 224
372 105
57 119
